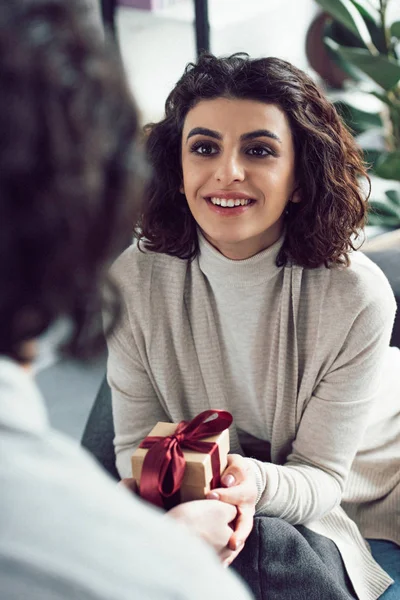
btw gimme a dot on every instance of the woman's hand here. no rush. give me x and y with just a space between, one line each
240 490
210 519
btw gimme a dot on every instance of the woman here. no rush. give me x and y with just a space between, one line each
70 172
253 299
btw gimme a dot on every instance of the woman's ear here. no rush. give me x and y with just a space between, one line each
296 196
182 189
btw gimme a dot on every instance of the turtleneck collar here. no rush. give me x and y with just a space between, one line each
238 273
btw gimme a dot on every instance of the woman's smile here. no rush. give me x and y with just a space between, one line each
238 169
229 204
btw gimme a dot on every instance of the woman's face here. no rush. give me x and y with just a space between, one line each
238 167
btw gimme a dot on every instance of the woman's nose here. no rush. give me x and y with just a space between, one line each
229 169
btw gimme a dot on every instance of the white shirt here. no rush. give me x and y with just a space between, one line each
67 531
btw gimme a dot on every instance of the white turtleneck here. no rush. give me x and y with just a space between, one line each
245 296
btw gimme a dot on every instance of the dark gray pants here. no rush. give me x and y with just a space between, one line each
282 562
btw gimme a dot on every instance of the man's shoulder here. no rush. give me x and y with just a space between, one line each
77 534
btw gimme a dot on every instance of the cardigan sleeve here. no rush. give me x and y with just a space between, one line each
310 484
136 408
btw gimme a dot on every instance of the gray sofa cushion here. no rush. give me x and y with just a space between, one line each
389 261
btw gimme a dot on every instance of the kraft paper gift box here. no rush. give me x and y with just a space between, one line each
198 473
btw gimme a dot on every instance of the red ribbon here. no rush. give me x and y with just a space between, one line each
164 464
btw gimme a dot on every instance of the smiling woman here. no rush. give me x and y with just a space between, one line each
253 299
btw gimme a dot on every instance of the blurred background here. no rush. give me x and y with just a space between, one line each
351 47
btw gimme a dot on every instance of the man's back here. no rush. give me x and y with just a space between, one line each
68 532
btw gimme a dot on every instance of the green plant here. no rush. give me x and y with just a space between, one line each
366 46
384 202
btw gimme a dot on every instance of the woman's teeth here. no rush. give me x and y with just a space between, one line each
230 203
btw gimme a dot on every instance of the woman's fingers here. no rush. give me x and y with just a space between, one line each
242 494
243 499
227 556
235 471
237 495
242 528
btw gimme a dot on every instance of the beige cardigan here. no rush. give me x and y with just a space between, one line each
330 348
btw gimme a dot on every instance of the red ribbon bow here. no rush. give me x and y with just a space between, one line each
164 464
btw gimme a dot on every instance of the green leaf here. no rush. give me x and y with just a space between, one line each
388 165
346 13
384 71
385 192
359 98
395 29
358 120
367 11
340 34
382 219
350 70
384 202
371 156
382 96
394 196
344 37
382 208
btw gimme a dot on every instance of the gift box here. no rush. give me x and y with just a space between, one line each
181 462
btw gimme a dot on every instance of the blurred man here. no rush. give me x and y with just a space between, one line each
70 173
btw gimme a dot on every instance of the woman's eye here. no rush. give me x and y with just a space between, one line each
258 151
204 149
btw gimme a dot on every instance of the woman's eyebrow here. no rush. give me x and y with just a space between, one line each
204 131
260 133
245 137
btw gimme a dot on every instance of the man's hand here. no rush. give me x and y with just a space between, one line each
225 519
130 484
210 519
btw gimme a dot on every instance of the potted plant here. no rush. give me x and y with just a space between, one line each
365 45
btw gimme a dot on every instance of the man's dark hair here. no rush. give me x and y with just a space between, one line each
321 228
68 172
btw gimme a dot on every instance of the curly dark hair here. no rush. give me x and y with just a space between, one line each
70 171
320 230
